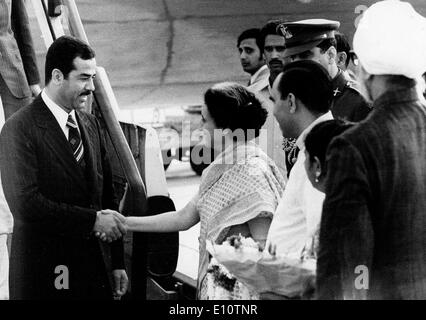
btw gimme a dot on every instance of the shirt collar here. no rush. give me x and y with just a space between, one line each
60 114
258 73
300 142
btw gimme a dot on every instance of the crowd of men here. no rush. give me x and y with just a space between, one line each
264 53
372 214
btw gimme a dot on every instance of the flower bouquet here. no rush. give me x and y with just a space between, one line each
288 276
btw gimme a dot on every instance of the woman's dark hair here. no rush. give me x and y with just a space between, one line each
233 106
318 139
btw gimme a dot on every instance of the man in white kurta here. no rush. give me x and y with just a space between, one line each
302 96
270 138
299 212
260 79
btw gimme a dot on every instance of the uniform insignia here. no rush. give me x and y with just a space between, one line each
351 83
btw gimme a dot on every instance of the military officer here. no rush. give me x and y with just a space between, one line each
314 39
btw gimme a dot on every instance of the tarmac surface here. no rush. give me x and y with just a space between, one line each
183 184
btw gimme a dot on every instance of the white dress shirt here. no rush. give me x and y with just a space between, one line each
298 214
270 137
260 79
60 114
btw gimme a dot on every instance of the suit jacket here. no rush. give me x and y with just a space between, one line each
348 103
18 65
374 215
54 204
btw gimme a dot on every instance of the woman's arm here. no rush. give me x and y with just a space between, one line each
166 222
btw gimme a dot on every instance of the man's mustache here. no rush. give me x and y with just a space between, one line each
276 61
86 93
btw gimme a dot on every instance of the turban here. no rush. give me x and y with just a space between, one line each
391 40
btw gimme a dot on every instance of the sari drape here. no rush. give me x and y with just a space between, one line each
242 183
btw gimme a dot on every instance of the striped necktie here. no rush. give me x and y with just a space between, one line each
75 140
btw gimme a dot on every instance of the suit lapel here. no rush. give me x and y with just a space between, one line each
56 141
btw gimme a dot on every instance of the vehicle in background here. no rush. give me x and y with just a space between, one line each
178 129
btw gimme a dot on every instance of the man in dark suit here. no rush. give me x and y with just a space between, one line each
56 179
19 77
372 238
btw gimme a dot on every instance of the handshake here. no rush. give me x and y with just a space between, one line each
110 225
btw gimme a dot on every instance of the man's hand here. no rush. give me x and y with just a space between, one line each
120 221
108 226
120 283
118 216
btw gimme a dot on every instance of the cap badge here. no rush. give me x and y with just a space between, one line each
285 32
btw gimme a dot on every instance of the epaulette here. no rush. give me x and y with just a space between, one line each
353 86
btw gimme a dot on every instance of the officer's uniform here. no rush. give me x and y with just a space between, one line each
301 36
348 103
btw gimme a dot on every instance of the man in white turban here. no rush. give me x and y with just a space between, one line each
372 238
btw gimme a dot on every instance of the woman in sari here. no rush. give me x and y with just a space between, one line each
238 193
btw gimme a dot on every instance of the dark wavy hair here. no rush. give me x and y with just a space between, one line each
309 82
253 33
342 45
233 106
318 139
61 55
270 28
